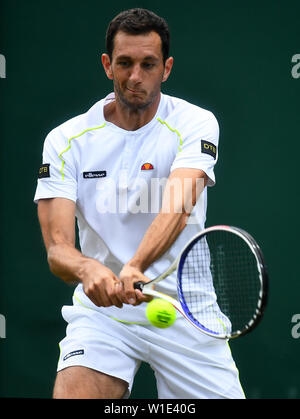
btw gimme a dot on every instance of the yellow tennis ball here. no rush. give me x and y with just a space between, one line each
160 313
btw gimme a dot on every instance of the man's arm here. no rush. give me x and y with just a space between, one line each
57 220
181 193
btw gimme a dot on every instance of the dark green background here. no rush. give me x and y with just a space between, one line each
231 57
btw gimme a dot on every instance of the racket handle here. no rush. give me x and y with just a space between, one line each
139 285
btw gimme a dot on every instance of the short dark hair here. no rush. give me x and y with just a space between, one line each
135 22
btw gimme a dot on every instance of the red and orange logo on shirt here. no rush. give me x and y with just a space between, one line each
147 166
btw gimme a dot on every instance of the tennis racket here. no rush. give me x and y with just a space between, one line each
222 282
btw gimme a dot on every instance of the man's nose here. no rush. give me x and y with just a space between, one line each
135 74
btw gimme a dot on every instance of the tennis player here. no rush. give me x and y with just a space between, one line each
128 170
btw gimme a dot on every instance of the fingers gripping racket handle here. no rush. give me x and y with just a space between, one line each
139 285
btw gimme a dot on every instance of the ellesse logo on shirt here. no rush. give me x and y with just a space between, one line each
147 166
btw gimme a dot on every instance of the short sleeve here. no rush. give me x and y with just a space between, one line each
199 145
57 174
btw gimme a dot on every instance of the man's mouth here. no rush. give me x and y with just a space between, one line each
133 90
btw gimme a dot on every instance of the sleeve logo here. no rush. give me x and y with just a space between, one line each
44 171
208 148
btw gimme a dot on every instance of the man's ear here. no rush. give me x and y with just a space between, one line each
168 68
107 65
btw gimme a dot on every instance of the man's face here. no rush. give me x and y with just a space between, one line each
137 68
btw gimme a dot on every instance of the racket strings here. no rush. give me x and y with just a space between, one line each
219 282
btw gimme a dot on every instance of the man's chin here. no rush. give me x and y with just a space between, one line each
135 103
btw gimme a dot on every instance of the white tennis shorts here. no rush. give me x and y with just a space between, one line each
187 364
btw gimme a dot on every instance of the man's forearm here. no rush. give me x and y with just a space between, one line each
66 262
183 188
100 284
160 236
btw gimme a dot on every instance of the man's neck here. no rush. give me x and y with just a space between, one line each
129 119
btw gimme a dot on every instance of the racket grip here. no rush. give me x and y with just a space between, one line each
139 285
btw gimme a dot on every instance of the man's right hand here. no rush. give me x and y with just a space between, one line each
100 284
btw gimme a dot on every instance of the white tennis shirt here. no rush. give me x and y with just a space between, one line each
116 178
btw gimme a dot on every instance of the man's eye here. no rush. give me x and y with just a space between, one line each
123 63
148 65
